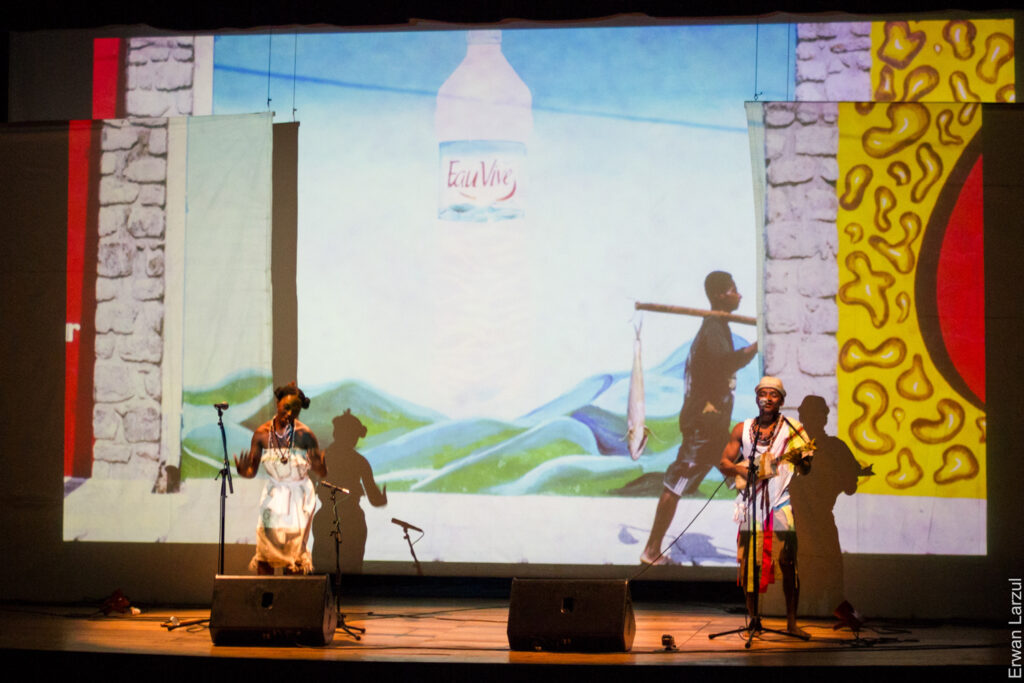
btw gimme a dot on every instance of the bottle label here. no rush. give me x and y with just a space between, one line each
481 180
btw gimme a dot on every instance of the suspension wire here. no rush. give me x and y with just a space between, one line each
270 49
757 41
295 63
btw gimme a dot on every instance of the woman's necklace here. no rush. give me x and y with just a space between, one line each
277 439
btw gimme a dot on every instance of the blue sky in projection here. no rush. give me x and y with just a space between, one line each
683 75
639 184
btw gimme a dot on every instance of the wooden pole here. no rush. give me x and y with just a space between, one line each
699 312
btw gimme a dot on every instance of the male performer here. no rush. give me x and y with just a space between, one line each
781 448
707 407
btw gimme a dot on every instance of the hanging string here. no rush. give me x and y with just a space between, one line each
295 62
270 47
757 40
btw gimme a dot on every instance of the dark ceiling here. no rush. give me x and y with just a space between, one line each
29 15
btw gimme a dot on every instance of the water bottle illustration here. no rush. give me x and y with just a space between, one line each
483 121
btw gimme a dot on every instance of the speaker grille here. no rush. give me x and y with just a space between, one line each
252 610
578 615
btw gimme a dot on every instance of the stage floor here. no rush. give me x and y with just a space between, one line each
468 632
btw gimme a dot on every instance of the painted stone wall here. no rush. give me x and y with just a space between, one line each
801 242
161 72
130 269
129 295
801 238
833 62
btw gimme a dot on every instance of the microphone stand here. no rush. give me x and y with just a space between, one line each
225 482
754 626
336 535
415 560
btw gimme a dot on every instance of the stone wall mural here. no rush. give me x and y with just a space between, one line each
130 271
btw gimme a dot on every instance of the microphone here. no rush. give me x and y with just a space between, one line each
339 489
406 525
221 406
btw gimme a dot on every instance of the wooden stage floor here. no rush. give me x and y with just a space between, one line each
464 639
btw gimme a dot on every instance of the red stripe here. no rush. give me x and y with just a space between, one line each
106 69
768 533
79 138
78 418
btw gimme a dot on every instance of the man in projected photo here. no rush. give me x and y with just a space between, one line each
707 407
288 450
781 449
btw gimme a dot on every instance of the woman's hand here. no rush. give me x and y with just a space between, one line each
244 465
317 461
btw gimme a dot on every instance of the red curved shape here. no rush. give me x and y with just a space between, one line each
960 284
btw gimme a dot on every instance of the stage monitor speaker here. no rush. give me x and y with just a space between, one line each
255 610
576 615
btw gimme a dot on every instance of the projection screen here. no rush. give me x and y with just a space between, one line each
479 214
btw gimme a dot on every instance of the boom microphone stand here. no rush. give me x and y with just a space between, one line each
405 528
754 626
336 535
225 481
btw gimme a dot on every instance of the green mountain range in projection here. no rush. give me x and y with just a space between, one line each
237 389
572 445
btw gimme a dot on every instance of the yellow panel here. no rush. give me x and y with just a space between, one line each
897 412
942 61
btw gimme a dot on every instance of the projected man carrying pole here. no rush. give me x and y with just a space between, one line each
707 405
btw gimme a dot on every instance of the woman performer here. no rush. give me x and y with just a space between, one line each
288 450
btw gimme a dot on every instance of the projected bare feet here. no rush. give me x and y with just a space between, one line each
654 558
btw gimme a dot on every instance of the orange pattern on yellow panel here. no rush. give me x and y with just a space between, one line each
897 411
943 61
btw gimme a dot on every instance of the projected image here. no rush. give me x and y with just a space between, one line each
912 354
893 306
158 334
480 214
